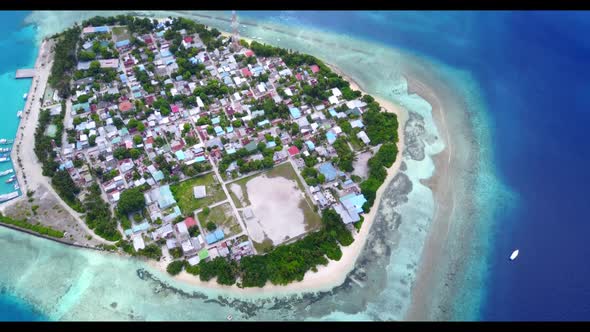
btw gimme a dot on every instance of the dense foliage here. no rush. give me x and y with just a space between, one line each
131 200
381 127
383 159
64 60
175 267
98 215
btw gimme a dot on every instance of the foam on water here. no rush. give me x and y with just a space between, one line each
82 284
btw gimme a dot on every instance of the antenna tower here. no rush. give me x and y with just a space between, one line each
235 33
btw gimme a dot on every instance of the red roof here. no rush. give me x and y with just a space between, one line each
248 53
149 100
315 68
293 150
190 222
174 108
125 106
246 72
298 76
188 39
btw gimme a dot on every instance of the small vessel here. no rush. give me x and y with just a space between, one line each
5 141
514 255
4 159
9 196
6 172
16 186
229 317
19 113
5 149
12 179
25 96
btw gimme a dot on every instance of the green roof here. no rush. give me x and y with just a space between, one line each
203 254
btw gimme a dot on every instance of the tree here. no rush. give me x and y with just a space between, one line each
206 210
137 139
131 200
211 226
175 267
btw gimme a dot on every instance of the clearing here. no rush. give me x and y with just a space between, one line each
276 208
222 216
184 195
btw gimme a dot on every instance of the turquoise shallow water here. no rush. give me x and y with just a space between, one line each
19 50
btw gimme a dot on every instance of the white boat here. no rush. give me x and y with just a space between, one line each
514 255
6 172
19 113
4 159
7 197
25 96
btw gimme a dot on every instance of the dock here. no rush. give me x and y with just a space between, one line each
25 73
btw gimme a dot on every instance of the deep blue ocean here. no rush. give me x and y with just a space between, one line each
533 71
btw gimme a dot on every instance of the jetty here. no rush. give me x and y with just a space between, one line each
25 73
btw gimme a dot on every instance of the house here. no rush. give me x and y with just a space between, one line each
190 222
358 123
353 202
126 106
329 171
199 191
187 41
331 137
310 145
138 243
333 100
336 92
314 68
295 112
363 137
293 151
165 197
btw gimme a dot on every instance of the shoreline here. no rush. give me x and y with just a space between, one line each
335 272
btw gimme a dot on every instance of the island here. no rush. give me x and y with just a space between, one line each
228 160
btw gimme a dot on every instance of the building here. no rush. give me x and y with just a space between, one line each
165 197
363 137
293 151
190 222
295 112
138 243
199 191
329 171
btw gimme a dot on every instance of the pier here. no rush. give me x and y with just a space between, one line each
25 73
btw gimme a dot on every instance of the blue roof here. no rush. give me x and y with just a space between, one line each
353 202
180 155
200 159
194 60
141 227
295 112
215 120
219 234
210 238
310 145
85 106
331 137
165 53
160 33
358 123
166 198
328 170
137 94
332 112
263 123
271 144
122 43
158 176
123 78
229 129
101 29
219 130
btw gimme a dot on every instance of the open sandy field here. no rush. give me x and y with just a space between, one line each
276 206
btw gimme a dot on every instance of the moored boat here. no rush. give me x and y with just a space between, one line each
25 96
6 172
9 196
4 159
11 179
19 113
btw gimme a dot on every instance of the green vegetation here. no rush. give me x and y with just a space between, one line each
222 217
98 215
285 263
152 251
184 195
131 200
175 267
381 127
38 228
64 60
383 159
345 155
